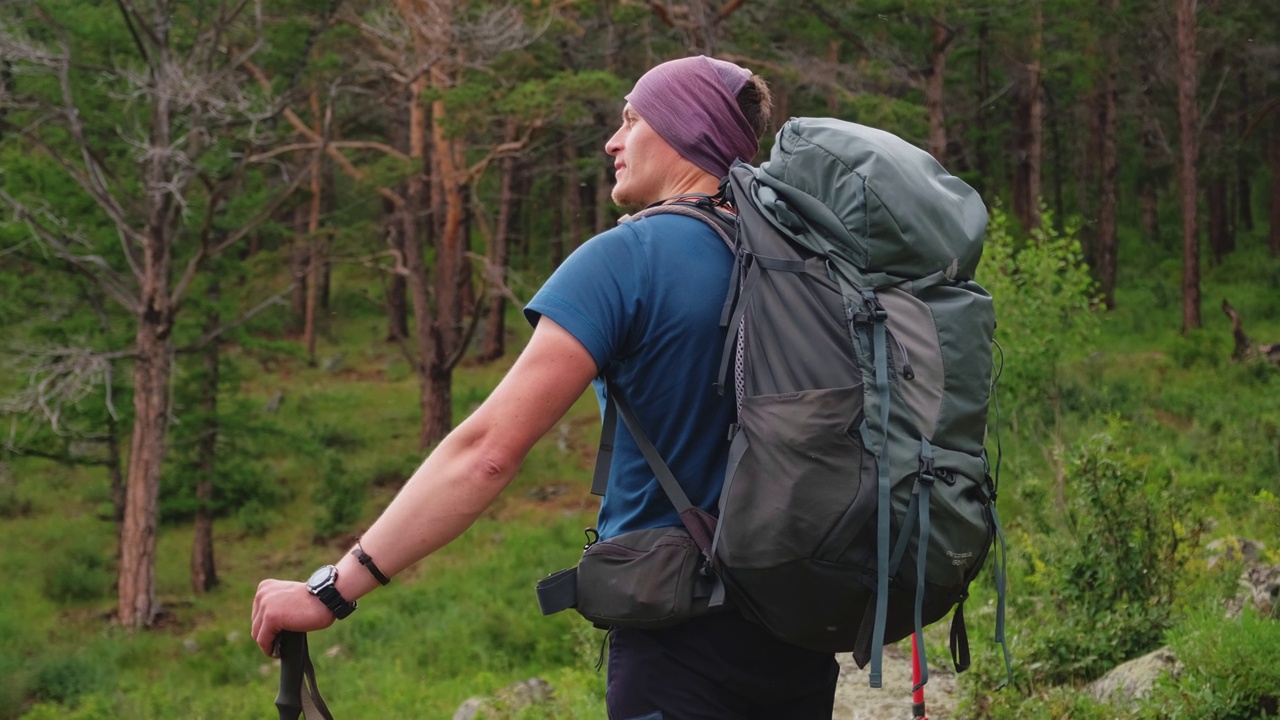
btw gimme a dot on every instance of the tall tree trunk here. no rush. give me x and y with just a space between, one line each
315 258
1108 162
982 155
152 365
1244 188
299 264
204 573
153 347
450 274
417 198
1221 236
1274 232
1188 119
495 337
1026 189
603 191
833 94
935 99
397 287
572 195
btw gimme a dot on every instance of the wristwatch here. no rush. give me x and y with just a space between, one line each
322 585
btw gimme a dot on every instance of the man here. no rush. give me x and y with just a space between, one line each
639 304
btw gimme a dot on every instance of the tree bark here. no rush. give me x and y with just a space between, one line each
935 100
1244 188
152 365
1188 120
204 573
982 156
1108 162
572 195
1274 232
1221 234
315 258
495 338
1030 134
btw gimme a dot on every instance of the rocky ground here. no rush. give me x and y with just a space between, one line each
856 700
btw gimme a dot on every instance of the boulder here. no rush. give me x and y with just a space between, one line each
507 701
1259 589
1134 679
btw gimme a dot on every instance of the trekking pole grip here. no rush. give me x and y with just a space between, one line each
291 648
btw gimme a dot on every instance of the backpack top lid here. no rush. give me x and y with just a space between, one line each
875 201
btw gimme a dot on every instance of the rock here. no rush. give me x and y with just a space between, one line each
1259 589
534 691
191 646
273 402
1134 679
233 637
1233 549
335 651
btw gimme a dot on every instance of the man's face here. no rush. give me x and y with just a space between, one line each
645 163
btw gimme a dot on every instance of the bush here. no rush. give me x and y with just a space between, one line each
80 572
1232 669
1044 297
65 678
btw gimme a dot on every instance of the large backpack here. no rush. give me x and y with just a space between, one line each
858 501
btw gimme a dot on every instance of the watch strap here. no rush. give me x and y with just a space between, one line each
338 605
369 564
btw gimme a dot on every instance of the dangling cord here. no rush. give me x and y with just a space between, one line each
603 642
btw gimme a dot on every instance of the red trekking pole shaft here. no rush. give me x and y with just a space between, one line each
917 695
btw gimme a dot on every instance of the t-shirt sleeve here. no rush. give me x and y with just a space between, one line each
596 294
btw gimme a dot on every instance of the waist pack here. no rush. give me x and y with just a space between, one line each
858 502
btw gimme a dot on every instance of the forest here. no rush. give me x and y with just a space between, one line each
257 258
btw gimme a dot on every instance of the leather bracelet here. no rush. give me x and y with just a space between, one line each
368 562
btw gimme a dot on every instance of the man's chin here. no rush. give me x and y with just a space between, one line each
625 201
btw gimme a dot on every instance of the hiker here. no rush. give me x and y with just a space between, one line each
639 304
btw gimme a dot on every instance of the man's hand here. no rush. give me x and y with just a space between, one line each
282 605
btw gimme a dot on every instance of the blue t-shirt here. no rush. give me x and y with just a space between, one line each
644 299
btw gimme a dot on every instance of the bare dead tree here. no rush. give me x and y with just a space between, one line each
183 108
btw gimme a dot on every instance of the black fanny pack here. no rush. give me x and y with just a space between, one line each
644 579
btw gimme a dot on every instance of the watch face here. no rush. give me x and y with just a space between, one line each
321 577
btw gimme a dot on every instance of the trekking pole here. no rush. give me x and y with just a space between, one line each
298 695
917 692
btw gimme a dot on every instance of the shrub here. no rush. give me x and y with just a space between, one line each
1232 669
1044 297
65 678
81 571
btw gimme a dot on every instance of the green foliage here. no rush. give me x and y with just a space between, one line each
339 495
64 679
1231 669
82 571
1116 582
1044 299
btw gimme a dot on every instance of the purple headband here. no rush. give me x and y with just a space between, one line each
692 104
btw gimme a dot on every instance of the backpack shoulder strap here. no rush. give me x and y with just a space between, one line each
723 222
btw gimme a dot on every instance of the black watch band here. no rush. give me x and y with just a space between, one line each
323 584
368 562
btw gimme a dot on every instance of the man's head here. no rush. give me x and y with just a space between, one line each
685 123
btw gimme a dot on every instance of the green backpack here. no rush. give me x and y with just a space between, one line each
858 501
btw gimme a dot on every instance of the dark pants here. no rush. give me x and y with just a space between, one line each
719 667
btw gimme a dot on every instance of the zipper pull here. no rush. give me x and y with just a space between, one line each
593 537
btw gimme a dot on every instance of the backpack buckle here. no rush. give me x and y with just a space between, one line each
927 475
876 310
